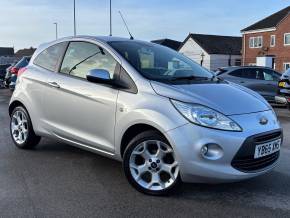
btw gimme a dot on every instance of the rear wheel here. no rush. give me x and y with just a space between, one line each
21 129
150 164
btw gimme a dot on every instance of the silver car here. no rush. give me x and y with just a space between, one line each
164 116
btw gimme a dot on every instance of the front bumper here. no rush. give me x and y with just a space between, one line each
189 139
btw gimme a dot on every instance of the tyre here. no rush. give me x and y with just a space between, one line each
150 165
21 129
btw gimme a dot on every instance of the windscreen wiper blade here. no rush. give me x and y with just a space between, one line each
189 78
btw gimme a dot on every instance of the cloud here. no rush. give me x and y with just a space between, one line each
28 23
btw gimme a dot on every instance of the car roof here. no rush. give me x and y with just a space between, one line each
104 39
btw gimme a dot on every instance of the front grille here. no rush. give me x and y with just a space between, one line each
268 137
244 160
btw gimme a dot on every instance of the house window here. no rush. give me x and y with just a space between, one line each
256 42
286 66
273 41
287 39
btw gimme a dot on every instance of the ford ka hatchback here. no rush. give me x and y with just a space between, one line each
164 116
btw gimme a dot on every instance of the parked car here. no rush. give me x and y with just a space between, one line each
2 74
163 115
14 69
12 82
260 79
283 96
3 68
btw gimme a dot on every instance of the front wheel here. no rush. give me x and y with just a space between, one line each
21 129
150 164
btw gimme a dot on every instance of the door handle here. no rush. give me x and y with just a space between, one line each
242 82
54 84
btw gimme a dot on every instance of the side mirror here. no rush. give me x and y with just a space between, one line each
99 76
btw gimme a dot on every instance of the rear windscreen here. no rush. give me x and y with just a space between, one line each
22 63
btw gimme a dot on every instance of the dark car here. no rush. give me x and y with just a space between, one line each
284 89
14 69
3 68
260 79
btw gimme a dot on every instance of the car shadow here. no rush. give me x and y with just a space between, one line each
113 180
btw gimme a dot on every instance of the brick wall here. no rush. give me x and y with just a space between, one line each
281 52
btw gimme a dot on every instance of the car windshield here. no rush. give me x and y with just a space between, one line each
156 62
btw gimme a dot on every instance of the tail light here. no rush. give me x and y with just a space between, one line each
21 71
14 70
288 99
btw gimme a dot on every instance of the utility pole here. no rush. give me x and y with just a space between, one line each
75 28
56 30
110 17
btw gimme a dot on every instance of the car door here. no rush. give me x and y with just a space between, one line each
248 77
253 79
80 111
242 76
269 83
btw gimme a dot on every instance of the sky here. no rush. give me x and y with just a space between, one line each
26 23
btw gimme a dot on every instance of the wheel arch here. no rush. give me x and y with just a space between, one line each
15 104
134 130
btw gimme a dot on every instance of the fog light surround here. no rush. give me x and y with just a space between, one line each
211 151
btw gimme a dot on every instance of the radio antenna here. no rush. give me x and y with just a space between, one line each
131 37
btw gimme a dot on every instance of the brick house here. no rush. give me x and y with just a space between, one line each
267 42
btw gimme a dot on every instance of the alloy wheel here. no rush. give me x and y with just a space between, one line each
19 127
153 165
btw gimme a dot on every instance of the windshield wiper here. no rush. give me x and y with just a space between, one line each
190 78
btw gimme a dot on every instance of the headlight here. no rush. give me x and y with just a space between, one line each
205 116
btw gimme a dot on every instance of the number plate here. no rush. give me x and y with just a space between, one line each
267 148
282 84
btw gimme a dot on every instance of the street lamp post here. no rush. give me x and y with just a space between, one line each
56 30
110 17
75 29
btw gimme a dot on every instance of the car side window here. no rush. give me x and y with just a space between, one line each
237 73
268 76
276 75
244 73
251 73
49 58
81 57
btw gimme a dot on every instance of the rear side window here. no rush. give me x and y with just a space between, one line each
270 75
237 73
50 57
